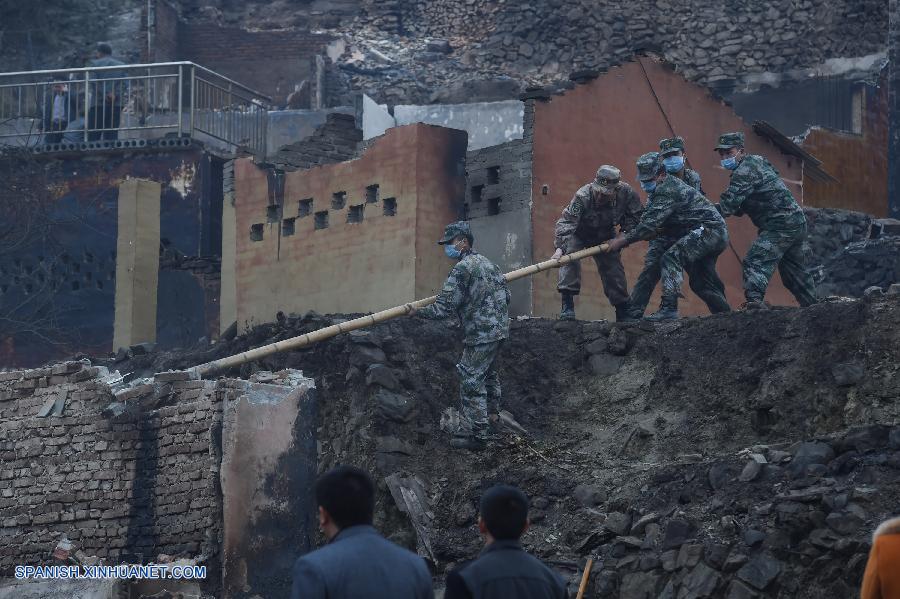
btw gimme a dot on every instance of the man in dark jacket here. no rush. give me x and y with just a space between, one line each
357 561
107 91
504 570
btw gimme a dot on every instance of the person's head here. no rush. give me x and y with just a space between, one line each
503 514
59 87
671 152
346 497
102 49
457 239
731 149
650 171
607 179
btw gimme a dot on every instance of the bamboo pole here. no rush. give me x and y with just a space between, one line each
365 321
585 577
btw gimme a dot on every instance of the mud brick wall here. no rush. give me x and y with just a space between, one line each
122 489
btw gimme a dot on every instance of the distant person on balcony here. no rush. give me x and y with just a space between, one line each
107 89
56 113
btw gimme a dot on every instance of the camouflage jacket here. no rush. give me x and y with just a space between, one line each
592 218
476 292
692 178
676 206
757 191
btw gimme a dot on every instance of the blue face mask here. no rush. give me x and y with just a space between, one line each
648 186
452 252
730 163
673 164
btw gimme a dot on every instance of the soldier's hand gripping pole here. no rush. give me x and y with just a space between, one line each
364 321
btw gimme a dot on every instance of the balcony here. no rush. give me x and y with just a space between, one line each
131 106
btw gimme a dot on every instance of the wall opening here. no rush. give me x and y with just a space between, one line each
272 213
493 175
355 215
477 193
390 206
338 200
287 227
256 232
306 206
321 220
493 206
371 194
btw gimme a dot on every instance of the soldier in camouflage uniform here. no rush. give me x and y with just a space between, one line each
672 153
757 191
589 219
675 206
476 292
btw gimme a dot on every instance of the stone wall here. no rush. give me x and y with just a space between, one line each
711 42
849 254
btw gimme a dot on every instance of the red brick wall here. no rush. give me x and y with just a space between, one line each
858 162
613 120
347 267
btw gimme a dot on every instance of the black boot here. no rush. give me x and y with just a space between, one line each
623 313
568 307
668 310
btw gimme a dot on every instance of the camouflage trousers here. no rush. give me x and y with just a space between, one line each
696 252
788 251
709 289
479 385
609 265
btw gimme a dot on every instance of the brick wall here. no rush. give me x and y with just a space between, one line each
894 109
375 263
270 62
122 489
498 178
335 141
162 45
576 132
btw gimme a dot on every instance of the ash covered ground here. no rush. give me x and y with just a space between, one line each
741 455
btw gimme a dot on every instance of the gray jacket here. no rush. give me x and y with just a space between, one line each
505 571
359 562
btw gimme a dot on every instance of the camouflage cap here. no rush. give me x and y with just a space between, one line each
671 145
648 166
730 140
607 172
454 230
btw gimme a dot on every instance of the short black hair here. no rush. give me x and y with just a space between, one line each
504 510
104 49
348 495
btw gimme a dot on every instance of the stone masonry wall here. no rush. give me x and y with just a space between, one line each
710 41
849 254
122 488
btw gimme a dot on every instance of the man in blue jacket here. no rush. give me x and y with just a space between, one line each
357 561
504 570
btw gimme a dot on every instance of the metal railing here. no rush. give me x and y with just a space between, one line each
130 106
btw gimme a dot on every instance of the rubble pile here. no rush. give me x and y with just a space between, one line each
856 252
741 455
